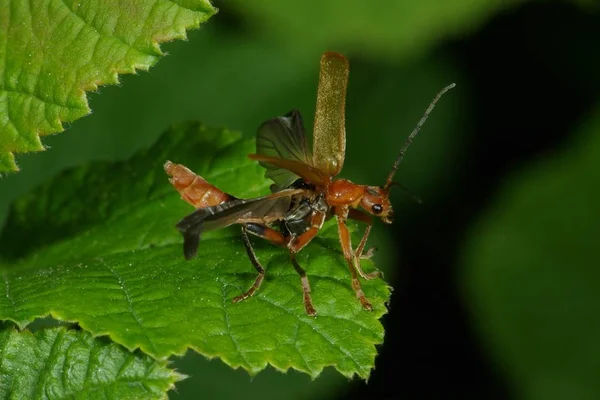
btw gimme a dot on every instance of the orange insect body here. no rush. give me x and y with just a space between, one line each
193 188
373 199
343 192
304 191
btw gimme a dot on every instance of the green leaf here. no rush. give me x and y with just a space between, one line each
98 246
533 273
59 363
55 50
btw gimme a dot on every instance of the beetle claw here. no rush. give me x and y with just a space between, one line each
369 253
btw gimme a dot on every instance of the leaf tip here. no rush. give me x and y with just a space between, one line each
7 163
178 377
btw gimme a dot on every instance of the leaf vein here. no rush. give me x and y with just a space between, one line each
8 296
39 383
295 341
130 305
93 351
35 96
228 325
3 345
114 37
333 344
176 4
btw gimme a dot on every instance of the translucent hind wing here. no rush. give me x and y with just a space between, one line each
299 169
283 138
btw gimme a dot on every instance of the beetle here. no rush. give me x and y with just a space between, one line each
305 192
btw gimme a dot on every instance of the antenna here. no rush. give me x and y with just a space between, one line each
413 196
413 134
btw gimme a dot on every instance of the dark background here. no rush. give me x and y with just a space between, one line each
527 82
526 106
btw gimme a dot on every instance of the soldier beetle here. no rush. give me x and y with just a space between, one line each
305 192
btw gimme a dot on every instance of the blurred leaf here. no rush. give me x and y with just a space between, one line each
268 385
106 233
387 28
55 50
534 277
59 363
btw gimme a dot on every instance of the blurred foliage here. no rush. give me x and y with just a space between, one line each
533 273
385 29
54 51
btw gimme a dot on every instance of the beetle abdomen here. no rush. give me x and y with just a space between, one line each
193 188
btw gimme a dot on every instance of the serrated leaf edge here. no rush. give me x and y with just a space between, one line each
7 159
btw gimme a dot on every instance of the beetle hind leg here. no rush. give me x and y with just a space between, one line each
261 271
267 234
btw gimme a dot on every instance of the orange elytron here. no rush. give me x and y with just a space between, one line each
305 192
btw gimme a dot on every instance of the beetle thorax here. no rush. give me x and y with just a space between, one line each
343 192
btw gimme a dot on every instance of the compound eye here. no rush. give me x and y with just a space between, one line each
377 208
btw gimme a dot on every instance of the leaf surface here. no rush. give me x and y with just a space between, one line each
98 246
53 51
58 363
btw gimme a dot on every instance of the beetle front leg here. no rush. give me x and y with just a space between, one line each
358 254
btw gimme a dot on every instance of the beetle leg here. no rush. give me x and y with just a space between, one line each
341 214
263 232
297 244
358 254
362 217
368 255
308 304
